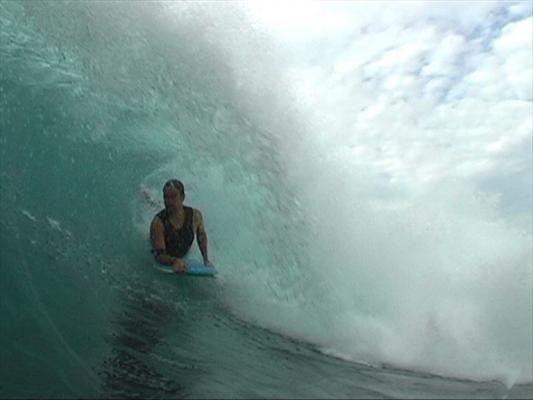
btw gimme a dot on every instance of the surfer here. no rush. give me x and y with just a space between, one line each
173 229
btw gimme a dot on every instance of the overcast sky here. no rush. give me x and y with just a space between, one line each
421 91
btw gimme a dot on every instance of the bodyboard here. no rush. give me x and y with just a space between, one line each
194 268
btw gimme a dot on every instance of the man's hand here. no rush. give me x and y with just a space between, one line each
207 263
179 266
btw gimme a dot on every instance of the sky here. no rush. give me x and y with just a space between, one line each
423 92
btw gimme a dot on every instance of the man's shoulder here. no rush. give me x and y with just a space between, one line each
193 210
158 218
196 216
196 212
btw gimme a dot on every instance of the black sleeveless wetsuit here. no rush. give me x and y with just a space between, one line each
178 241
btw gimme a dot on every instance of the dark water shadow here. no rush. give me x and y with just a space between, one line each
139 328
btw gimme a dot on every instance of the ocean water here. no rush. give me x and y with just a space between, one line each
323 291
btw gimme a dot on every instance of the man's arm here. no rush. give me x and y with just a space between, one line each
157 237
201 236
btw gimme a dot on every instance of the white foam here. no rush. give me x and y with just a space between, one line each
414 257
28 215
56 225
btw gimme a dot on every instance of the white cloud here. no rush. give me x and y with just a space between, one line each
427 100
514 49
515 36
521 9
443 60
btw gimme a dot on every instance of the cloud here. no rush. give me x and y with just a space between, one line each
514 50
426 93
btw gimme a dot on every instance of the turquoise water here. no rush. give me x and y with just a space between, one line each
100 101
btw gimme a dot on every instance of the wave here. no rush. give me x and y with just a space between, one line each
100 101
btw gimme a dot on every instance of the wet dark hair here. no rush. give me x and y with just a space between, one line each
175 183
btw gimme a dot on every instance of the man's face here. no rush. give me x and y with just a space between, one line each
173 198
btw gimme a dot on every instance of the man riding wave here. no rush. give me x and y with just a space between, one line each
173 229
